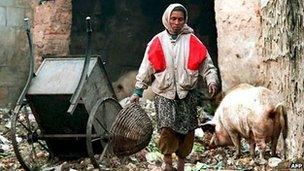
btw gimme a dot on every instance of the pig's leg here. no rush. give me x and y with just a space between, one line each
262 148
236 140
252 147
274 142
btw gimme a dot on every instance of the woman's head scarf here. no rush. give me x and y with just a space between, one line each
166 17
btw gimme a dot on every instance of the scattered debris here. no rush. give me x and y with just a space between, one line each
274 161
201 158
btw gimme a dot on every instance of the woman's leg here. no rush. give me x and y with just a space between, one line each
168 144
181 164
168 162
184 149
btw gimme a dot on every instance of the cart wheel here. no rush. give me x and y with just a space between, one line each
100 121
31 152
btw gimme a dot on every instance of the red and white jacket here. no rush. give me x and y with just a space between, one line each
176 65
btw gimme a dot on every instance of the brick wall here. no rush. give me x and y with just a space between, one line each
52 27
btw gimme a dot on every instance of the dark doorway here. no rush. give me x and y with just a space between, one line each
122 28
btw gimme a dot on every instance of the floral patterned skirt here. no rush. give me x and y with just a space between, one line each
178 114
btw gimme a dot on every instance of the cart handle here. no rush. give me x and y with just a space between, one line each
76 95
31 74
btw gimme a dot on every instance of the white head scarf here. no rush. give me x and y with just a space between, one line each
166 18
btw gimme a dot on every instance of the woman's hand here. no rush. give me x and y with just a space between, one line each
134 98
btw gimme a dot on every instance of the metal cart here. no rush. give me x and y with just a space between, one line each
65 110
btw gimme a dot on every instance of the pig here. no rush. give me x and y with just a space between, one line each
125 85
253 113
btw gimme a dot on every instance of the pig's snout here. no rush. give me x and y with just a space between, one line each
208 140
212 143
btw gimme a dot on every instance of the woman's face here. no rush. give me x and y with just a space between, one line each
177 21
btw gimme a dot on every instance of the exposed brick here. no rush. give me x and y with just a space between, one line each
52 28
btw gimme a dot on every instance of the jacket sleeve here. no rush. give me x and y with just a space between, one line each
144 76
208 71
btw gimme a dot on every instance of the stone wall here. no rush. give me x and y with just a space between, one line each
239 53
283 69
13 49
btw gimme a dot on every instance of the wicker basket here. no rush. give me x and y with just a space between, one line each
131 131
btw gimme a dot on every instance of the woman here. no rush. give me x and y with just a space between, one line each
176 58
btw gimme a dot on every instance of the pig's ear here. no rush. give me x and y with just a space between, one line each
208 127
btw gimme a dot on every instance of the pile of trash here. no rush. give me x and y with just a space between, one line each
149 158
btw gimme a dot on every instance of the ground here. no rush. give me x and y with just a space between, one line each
149 158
